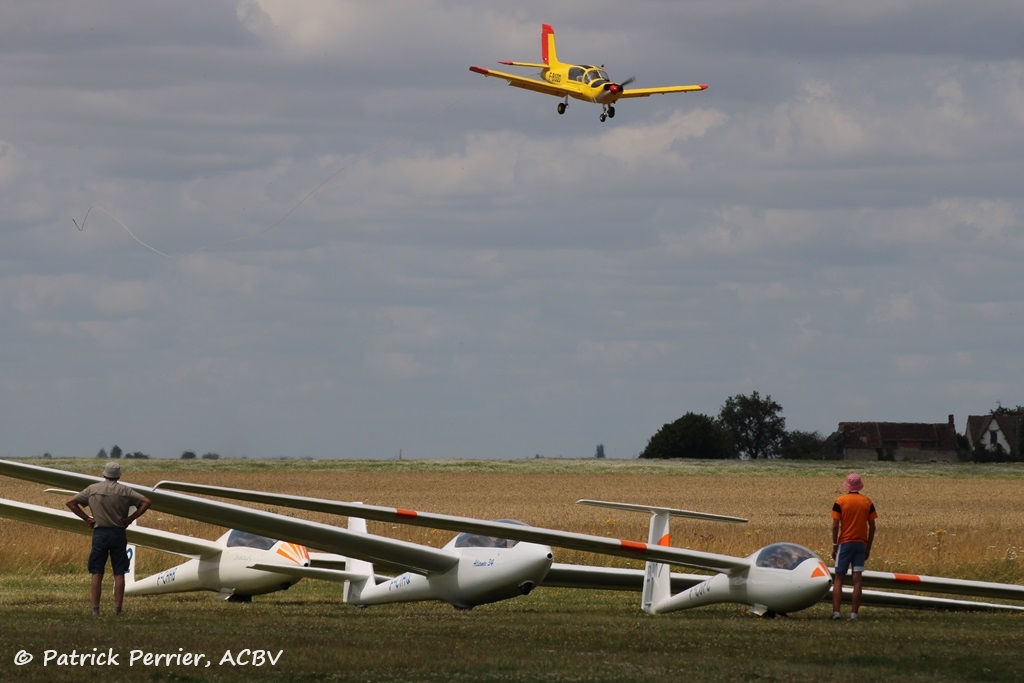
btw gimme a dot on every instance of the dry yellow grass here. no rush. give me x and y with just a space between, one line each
954 526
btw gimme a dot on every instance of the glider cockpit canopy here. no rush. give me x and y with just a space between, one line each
470 540
243 539
783 556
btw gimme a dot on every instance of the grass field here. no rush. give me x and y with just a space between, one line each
954 520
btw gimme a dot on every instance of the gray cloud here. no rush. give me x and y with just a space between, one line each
835 222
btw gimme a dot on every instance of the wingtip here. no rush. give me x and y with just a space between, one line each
502 61
703 86
479 70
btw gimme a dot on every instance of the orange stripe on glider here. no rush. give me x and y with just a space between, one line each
820 570
399 512
634 545
664 540
907 578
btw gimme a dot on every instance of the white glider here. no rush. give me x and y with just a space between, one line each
777 579
224 566
471 570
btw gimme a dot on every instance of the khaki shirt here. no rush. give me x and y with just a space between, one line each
109 502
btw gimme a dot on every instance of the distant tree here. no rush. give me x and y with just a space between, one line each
188 455
115 451
47 455
755 424
691 436
102 455
137 455
799 445
599 453
211 456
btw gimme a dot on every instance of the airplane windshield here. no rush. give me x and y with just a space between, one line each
468 540
783 556
243 539
595 75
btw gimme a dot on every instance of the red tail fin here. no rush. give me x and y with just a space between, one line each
547 45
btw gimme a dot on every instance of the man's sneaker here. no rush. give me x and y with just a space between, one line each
853 615
836 615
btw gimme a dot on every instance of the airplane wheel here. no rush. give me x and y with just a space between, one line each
611 112
561 107
603 117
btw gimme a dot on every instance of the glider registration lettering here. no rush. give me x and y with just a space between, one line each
578 81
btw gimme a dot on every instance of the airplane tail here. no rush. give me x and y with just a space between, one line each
547 45
354 587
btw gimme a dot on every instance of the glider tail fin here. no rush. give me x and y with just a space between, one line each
129 577
657 575
354 587
547 45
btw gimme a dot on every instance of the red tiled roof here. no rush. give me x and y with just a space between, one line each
894 434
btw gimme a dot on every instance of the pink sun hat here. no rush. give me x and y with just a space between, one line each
853 483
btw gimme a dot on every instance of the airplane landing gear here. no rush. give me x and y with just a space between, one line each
608 113
562 106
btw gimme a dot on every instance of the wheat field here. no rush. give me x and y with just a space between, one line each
951 520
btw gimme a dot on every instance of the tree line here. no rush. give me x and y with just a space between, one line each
116 453
752 427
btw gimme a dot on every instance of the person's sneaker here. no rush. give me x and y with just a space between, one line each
836 615
117 611
853 616
95 611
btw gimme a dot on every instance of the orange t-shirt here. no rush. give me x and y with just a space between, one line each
853 511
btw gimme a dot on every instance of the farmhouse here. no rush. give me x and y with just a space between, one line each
919 441
995 432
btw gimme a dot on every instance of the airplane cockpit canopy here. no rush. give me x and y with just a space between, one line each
594 76
783 556
468 540
243 539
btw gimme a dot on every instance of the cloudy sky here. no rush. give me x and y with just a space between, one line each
314 232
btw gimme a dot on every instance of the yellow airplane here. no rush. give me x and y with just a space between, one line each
581 82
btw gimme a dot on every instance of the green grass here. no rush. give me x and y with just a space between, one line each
551 635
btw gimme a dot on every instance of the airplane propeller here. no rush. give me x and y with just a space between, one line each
615 88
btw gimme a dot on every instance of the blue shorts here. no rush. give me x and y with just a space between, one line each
851 555
111 541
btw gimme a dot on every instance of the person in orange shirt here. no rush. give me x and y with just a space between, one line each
853 532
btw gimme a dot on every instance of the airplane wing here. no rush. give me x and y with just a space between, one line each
694 559
413 557
523 82
940 584
647 92
64 520
616 578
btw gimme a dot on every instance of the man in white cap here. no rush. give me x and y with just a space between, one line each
853 532
109 501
